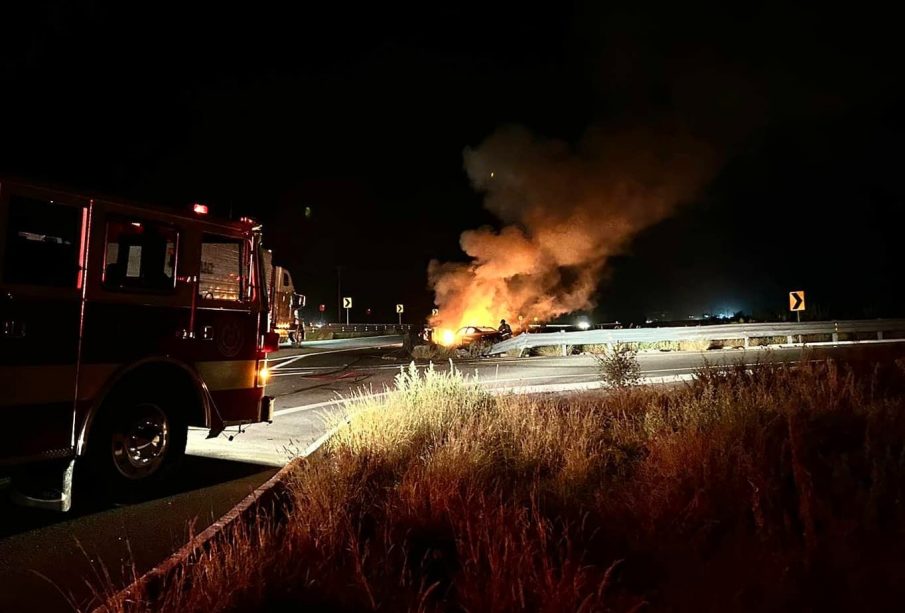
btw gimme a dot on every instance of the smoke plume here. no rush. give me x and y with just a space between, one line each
565 210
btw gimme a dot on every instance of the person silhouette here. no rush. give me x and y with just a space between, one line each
505 329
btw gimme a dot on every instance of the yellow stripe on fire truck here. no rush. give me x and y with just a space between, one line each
25 385
228 374
36 384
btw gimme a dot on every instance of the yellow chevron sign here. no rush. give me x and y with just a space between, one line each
796 301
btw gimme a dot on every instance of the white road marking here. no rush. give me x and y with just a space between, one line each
312 370
308 355
577 375
283 357
320 405
515 379
585 386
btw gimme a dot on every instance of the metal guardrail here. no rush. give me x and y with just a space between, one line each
365 327
700 333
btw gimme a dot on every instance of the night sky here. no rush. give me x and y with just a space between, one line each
362 114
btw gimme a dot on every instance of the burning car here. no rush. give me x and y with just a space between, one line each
477 334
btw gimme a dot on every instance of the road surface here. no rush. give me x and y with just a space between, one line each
46 556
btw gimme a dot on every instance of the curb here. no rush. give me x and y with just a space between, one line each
151 581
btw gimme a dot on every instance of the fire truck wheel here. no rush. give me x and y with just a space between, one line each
138 439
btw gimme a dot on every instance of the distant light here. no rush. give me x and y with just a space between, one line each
491 174
200 209
136 224
584 324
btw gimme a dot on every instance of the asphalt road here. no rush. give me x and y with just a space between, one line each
52 561
46 557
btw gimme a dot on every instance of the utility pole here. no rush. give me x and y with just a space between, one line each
339 294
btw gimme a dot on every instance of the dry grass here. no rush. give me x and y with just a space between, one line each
440 353
318 334
433 352
762 341
656 346
551 350
771 489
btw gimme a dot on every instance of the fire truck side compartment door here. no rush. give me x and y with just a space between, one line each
41 245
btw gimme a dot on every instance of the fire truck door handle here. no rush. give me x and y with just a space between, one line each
13 329
207 333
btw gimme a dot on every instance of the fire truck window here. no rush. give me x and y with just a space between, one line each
222 270
140 256
285 279
42 243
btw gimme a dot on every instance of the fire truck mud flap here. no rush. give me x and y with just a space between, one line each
267 409
45 486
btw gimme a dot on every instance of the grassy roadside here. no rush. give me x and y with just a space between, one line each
767 490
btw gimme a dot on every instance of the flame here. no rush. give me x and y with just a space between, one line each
476 309
445 337
483 303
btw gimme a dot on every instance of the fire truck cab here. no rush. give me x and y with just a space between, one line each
121 325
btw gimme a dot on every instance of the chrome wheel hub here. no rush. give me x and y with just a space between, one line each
140 445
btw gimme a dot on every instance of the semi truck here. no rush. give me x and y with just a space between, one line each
285 302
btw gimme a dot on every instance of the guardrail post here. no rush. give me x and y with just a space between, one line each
879 335
789 339
565 350
747 342
835 337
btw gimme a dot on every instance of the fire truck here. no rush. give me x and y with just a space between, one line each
120 329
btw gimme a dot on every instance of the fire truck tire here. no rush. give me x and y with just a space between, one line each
138 439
